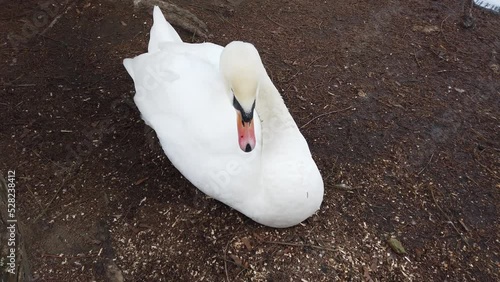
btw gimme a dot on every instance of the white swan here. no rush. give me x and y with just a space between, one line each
200 99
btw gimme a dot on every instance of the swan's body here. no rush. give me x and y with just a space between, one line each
185 93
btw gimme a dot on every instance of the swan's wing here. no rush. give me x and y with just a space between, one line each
174 79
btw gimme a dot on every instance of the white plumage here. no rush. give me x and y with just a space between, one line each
183 95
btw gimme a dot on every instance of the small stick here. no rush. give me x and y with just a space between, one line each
470 178
300 245
489 143
442 32
18 85
36 199
54 21
322 115
300 72
225 259
62 256
448 218
55 40
50 202
273 21
463 225
237 264
416 59
487 168
430 160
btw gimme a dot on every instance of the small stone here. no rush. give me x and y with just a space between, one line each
495 68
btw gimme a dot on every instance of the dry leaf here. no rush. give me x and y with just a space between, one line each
396 246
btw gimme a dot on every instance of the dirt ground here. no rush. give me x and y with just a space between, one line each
399 102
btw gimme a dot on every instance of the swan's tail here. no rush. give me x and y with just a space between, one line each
161 31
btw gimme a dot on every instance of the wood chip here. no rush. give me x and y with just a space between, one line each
239 262
258 237
247 243
426 29
138 182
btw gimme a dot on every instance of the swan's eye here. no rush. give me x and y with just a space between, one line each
245 116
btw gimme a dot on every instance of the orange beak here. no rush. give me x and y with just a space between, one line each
246 134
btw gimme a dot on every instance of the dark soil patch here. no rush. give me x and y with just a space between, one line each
419 144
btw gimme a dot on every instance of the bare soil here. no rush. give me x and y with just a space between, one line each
399 102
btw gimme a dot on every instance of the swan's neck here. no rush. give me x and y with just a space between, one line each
276 120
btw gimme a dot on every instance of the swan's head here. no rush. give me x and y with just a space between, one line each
242 69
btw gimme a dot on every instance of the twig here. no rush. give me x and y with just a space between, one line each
236 264
18 85
430 160
442 32
300 245
273 21
36 199
224 20
50 202
485 167
416 59
62 256
301 71
470 178
443 71
240 273
54 21
448 218
325 114
55 40
489 142
16 16
225 259
463 225
388 104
